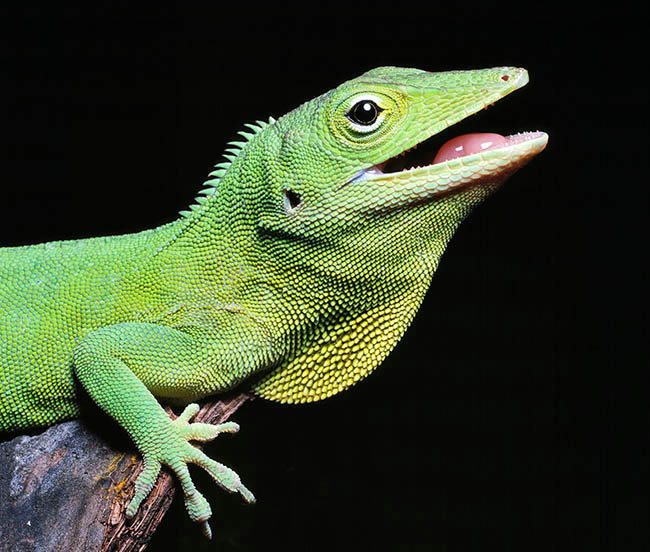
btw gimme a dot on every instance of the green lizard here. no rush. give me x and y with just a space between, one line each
298 269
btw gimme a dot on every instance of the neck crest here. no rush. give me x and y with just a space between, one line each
211 185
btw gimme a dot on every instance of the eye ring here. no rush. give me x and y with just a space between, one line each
365 113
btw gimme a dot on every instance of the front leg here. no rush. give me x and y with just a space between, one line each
122 366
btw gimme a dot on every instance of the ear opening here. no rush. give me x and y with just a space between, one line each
291 200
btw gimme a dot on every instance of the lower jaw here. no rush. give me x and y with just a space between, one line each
487 170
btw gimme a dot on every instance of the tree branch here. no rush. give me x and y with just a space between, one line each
67 489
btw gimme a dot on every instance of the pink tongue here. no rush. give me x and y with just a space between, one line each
468 144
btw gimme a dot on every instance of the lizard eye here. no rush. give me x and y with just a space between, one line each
364 113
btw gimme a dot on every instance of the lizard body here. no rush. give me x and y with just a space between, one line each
294 274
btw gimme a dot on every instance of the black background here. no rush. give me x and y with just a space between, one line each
513 414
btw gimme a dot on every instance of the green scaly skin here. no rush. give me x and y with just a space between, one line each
301 263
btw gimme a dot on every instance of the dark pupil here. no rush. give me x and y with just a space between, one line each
364 113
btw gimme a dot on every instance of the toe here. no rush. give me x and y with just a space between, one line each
143 485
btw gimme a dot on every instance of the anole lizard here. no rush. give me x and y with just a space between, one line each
297 270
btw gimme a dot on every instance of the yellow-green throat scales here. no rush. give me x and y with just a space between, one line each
296 271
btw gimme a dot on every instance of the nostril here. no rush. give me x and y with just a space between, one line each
505 78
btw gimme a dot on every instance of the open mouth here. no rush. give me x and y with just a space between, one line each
467 147
423 172
458 147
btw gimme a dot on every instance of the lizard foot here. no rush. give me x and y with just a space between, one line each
174 450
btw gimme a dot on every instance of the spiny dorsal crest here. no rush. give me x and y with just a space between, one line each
235 147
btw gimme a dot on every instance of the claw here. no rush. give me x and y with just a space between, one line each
205 529
246 494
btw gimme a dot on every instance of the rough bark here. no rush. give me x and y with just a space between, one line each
67 488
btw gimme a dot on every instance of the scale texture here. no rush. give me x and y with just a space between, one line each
293 275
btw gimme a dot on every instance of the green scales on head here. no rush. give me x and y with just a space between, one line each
299 267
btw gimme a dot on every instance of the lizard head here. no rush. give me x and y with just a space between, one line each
349 205
350 168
